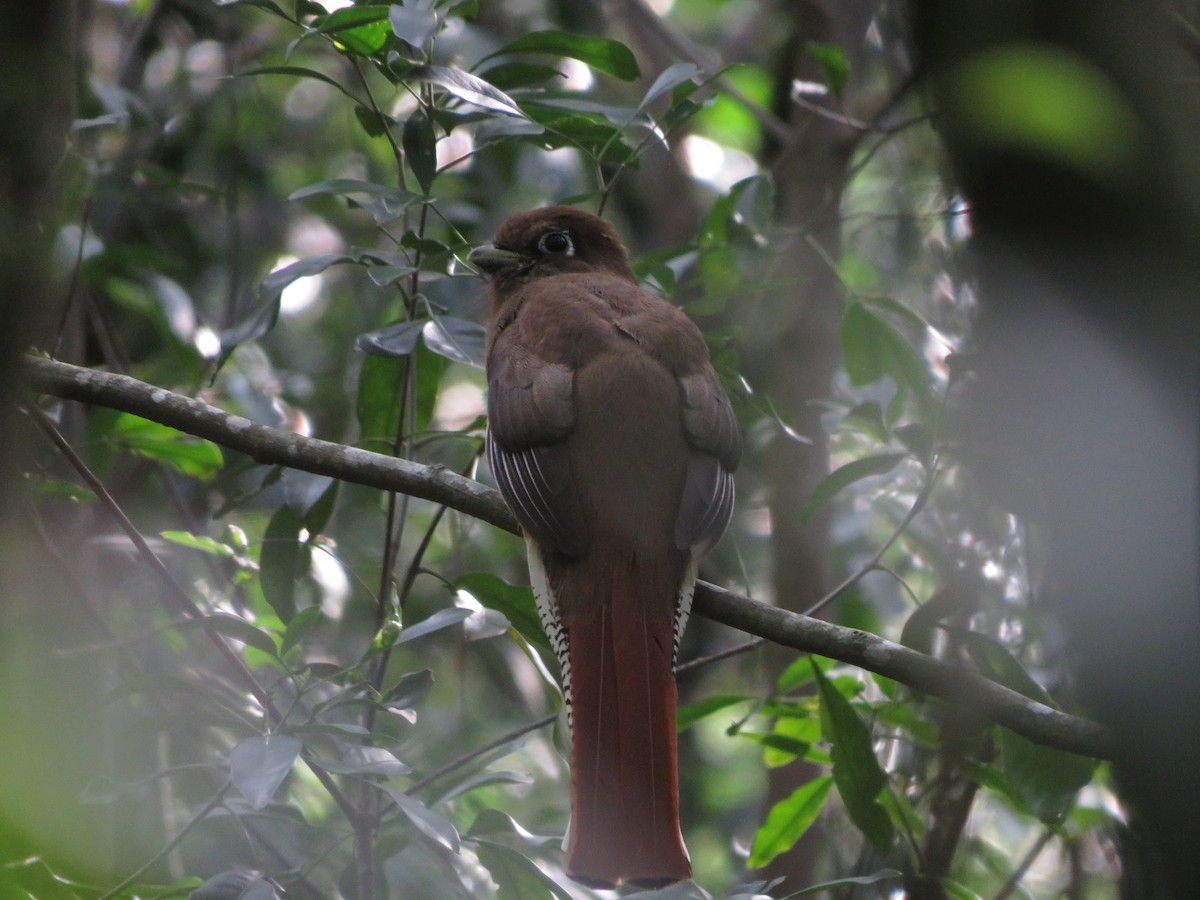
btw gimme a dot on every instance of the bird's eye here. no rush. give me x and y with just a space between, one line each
557 243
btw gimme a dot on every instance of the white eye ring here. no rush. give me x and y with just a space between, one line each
556 243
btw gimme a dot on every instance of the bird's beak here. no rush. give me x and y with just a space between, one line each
491 259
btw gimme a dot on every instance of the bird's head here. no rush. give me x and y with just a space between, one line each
552 241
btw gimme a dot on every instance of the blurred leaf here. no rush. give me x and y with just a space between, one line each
238 629
456 339
298 72
412 24
443 618
57 489
856 771
300 627
345 186
517 877
200 542
516 603
872 348
258 765
316 517
509 75
496 823
788 820
236 884
424 819
279 561
263 315
365 761
483 779
997 663
186 454
834 66
1049 102
603 54
420 149
393 341
957 891
691 713
410 690
844 476
670 78
859 881
467 87
378 401
1043 780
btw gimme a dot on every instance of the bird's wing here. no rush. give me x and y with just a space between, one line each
715 448
530 413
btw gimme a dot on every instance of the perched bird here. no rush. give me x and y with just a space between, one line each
612 440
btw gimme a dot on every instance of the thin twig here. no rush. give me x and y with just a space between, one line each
1023 867
199 817
466 758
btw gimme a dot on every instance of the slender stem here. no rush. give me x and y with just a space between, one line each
1023 867
466 758
199 817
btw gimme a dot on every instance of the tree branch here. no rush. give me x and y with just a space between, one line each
1033 720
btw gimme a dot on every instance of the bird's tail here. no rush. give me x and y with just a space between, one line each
624 774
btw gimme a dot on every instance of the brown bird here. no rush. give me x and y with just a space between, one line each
613 442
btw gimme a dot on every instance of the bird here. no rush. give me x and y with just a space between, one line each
614 443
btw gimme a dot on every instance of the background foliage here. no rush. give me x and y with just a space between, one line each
307 688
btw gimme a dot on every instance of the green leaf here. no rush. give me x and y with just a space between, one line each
258 765
1043 780
468 87
788 820
691 713
517 877
516 603
443 618
424 819
299 72
237 629
397 340
200 542
603 54
409 690
300 626
236 884
844 476
57 489
873 348
834 65
1048 101
344 186
856 771
365 761
265 313
861 880
378 401
458 340
509 75
279 559
791 738
316 517
413 25
670 78
191 456
420 149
